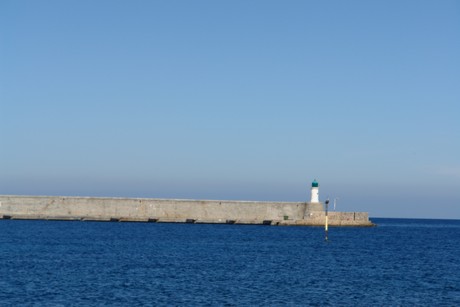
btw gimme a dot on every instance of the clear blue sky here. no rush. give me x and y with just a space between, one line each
234 100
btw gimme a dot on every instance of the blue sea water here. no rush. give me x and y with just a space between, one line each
399 262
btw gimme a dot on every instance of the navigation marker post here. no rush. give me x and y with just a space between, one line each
326 225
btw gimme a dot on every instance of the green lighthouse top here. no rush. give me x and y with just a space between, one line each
314 184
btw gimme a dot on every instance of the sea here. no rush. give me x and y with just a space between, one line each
400 262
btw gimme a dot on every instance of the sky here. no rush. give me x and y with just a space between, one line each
237 100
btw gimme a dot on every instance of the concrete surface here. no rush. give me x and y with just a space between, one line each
174 211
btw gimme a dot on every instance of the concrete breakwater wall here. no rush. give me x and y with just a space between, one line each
174 210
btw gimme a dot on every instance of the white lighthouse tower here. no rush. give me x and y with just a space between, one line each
314 192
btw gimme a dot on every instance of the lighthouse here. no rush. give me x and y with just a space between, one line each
314 192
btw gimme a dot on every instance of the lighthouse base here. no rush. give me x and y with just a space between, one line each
314 207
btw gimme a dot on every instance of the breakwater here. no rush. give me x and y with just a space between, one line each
174 211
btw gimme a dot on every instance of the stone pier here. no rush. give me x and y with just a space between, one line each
174 211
